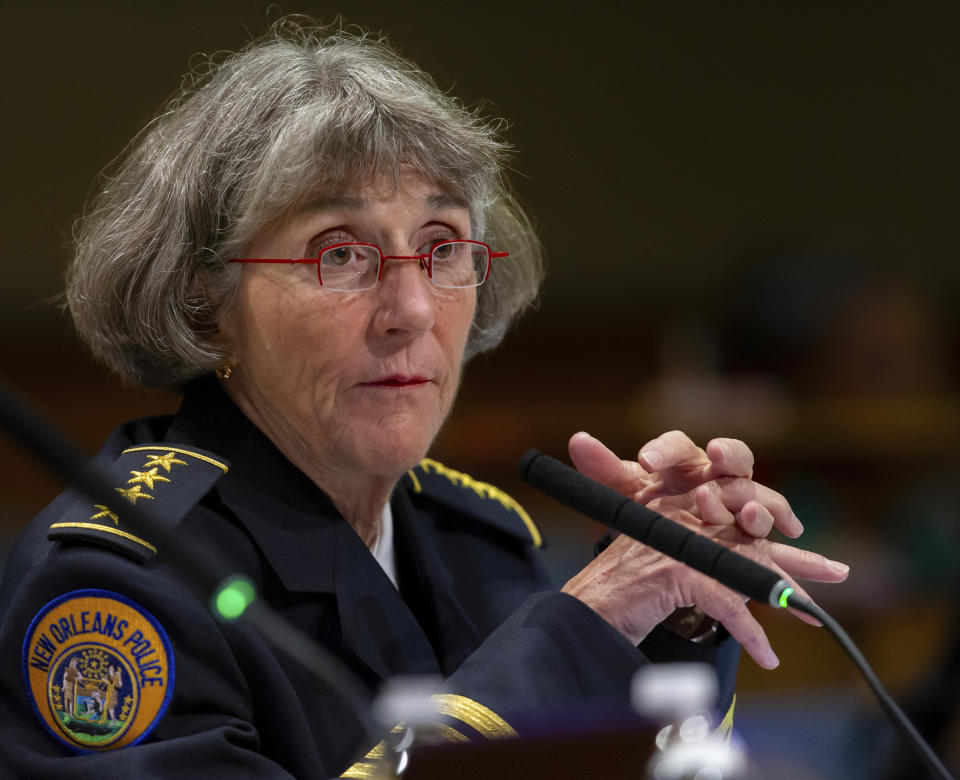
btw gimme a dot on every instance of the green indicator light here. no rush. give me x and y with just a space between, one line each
784 596
234 597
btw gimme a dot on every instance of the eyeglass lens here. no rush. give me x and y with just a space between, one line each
452 264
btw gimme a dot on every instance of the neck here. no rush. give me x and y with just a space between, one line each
361 504
359 496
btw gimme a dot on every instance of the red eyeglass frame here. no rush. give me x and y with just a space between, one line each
426 260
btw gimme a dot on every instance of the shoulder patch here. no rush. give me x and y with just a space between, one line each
99 670
480 498
173 479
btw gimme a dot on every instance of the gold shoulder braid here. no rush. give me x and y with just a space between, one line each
481 499
172 478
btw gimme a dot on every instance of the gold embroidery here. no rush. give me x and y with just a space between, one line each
484 490
167 461
132 494
159 460
368 766
416 482
147 477
107 530
105 512
484 720
377 752
363 769
725 729
449 733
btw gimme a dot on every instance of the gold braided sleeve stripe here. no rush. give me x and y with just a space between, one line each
725 729
377 752
370 765
484 720
372 762
364 769
449 733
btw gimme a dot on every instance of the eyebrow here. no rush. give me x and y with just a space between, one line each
322 202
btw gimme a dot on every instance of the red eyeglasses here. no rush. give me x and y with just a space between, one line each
354 266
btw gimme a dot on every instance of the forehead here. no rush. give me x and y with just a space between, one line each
367 194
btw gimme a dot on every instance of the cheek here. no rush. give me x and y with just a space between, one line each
458 317
457 320
282 329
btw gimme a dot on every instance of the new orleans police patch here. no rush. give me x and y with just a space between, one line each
98 668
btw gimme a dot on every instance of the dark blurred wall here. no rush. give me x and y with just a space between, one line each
673 155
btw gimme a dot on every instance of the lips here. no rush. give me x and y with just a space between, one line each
398 381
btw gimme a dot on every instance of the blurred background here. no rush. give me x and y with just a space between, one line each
750 215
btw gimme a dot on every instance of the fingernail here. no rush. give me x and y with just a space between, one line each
837 567
796 524
770 660
653 458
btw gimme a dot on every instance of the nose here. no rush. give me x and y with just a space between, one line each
407 304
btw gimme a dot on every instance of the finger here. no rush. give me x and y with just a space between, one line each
710 505
729 608
671 449
595 460
730 458
775 553
806 565
737 494
755 519
788 562
752 517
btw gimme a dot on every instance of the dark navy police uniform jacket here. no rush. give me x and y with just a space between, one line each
112 667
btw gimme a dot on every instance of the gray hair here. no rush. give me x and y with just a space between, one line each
304 109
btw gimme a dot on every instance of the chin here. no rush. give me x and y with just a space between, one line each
392 456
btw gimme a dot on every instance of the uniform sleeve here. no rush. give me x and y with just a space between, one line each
554 659
126 676
556 654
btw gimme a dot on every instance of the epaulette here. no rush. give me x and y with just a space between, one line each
173 479
480 499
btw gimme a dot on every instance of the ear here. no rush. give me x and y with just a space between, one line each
207 310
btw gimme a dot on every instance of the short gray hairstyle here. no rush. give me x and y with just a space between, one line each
303 109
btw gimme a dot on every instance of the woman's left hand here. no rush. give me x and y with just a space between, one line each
708 486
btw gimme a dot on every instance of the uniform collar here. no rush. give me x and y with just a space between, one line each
291 520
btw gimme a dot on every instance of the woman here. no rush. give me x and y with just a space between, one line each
310 244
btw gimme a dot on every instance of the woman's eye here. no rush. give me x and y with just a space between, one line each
442 251
340 255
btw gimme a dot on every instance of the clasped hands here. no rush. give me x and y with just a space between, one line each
712 491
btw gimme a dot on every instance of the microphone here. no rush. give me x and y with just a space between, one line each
607 506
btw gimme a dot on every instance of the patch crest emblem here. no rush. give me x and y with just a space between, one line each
99 670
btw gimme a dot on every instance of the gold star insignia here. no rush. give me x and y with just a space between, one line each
132 494
167 461
146 477
105 512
